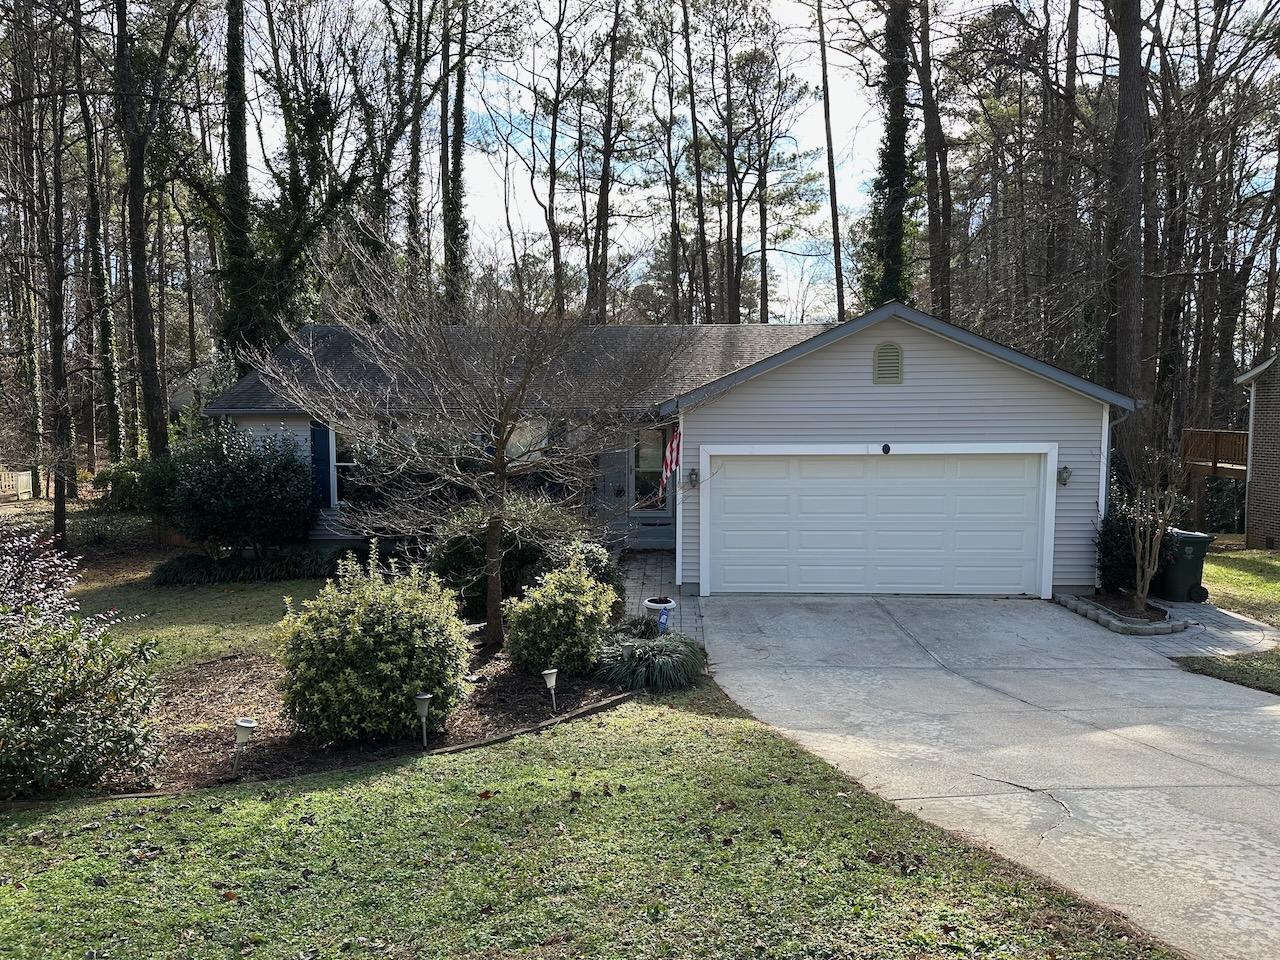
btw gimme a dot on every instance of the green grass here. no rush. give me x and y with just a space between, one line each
1258 670
1248 582
191 623
1245 581
675 828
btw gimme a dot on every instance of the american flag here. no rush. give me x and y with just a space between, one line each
670 460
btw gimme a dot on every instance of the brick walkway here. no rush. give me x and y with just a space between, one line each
1218 632
652 573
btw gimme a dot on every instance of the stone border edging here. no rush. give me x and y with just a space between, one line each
1115 622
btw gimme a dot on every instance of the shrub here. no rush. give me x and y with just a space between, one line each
1115 551
372 638
1117 566
232 490
672 661
72 700
594 556
120 485
640 627
561 621
533 524
198 568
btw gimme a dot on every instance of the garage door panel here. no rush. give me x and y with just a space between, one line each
845 505
909 468
910 578
755 539
892 506
988 467
834 577
868 524
751 468
749 505
746 577
830 468
851 539
992 543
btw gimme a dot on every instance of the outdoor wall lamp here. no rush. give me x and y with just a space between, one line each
1064 475
693 476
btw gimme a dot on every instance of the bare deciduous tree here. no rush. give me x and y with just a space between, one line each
445 415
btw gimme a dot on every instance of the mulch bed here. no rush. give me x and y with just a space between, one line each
198 707
1122 603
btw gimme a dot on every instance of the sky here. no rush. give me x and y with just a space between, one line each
856 130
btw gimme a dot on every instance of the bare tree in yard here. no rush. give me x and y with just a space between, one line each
524 395
1150 475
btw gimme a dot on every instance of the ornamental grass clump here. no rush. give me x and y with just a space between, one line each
357 653
73 699
659 664
561 621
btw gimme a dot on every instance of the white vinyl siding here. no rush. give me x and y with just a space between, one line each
299 428
952 395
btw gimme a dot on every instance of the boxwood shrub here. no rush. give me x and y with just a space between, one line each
561 621
532 526
357 653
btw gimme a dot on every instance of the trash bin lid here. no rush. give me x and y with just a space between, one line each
1190 536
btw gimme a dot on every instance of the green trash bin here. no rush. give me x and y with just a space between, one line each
1181 579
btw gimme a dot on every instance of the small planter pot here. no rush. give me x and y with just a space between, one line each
658 604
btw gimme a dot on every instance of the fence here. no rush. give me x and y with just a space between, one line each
15 485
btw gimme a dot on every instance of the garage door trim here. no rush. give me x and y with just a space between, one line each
1049 451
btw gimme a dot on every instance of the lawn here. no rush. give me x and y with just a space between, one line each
1258 670
189 623
1246 581
661 829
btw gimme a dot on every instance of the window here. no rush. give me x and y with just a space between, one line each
344 465
886 364
650 449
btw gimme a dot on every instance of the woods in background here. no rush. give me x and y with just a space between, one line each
1095 185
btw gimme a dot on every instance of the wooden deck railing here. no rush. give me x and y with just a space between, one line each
1215 447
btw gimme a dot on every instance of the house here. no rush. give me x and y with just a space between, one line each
1262 470
893 453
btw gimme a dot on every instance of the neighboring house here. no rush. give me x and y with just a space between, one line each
894 453
1262 474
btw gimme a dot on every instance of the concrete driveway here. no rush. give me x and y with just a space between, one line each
1063 746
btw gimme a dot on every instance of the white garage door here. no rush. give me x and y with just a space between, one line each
966 523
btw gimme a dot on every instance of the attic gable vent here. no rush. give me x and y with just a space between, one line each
886 364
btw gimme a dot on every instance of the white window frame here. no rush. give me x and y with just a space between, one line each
1049 481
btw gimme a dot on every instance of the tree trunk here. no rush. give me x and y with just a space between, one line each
762 202
1125 248
700 211
455 224
893 158
831 166
598 282
937 177
494 633
135 134
238 325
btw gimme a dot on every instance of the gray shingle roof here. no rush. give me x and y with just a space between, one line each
700 355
